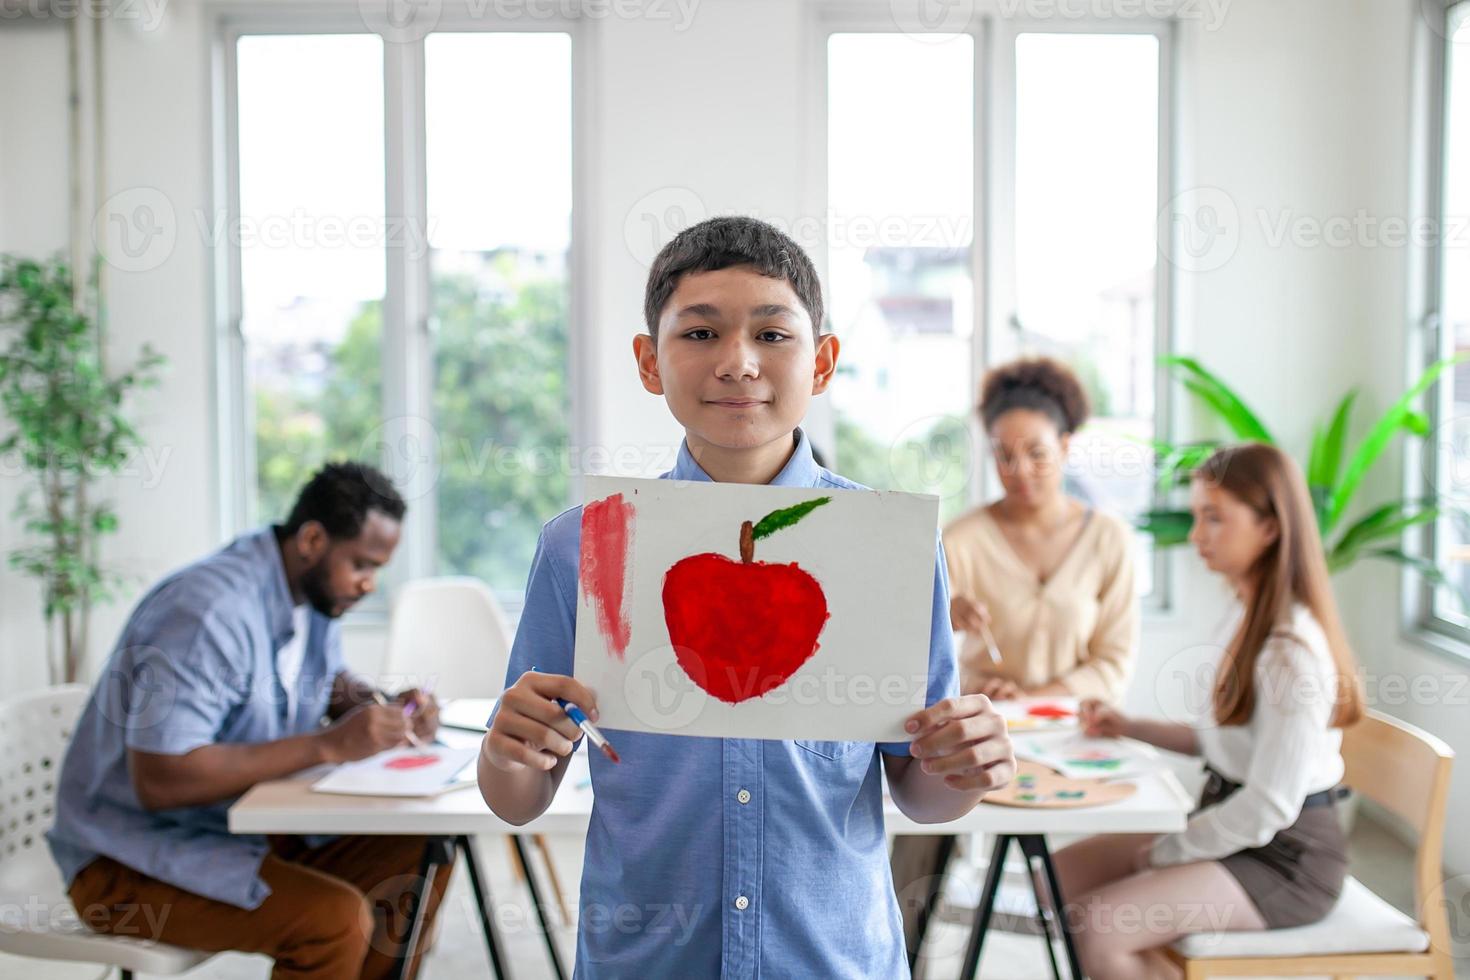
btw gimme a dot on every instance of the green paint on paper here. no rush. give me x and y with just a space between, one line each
785 517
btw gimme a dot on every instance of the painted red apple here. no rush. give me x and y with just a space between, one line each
741 628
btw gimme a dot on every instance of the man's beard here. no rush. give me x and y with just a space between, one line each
314 585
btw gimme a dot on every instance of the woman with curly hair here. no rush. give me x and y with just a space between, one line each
1041 577
1044 575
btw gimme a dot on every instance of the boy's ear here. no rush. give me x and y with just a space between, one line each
645 351
826 364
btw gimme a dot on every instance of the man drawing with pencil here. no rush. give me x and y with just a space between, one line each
221 680
732 857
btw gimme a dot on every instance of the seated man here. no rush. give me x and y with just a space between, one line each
221 680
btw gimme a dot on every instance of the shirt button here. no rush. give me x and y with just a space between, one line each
742 903
743 796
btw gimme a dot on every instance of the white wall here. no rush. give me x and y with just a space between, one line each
1299 107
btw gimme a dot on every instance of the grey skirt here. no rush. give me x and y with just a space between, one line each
1295 879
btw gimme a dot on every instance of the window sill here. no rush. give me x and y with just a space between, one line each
1449 648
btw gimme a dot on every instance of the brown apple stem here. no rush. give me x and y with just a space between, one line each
747 542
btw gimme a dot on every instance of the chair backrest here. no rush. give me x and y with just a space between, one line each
1406 771
35 730
449 632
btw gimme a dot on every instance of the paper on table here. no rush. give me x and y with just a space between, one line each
1079 757
1038 714
400 772
469 714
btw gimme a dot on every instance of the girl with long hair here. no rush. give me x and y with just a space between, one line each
1265 849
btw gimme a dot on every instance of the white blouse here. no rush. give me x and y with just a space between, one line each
1283 754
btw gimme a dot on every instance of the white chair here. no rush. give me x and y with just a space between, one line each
1407 772
36 917
451 635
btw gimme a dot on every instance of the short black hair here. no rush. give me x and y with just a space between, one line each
339 495
720 243
1042 384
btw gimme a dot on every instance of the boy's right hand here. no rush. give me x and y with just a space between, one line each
967 614
1101 720
531 730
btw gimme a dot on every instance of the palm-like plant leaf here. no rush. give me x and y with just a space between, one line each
1400 416
1327 444
1385 523
1424 567
1219 396
1168 527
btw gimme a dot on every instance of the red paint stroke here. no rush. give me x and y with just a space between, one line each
607 532
741 628
411 762
1050 711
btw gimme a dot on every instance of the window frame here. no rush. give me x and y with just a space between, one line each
1430 341
994 37
408 328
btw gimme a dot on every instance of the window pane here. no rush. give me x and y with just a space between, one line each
500 200
311 252
1086 201
1453 544
900 179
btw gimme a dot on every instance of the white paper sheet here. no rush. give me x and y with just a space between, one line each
866 558
404 771
1038 714
1078 757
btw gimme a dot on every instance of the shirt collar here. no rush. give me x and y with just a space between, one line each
801 470
276 594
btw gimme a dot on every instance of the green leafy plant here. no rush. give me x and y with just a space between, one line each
64 413
1333 476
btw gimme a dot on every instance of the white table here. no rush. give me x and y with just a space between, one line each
288 806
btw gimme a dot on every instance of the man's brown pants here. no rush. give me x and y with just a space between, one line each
335 912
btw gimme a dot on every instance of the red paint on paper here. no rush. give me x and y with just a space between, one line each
411 762
607 532
740 629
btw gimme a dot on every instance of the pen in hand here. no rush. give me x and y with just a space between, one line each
413 739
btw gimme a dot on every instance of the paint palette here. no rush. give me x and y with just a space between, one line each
1037 786
1038 714
1076 756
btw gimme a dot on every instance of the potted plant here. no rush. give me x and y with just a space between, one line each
1332 482
67 429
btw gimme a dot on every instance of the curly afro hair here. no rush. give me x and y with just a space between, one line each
339 496
1041 384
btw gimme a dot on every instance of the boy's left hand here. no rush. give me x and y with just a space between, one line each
964 740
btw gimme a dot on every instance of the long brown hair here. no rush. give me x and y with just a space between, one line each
1292 568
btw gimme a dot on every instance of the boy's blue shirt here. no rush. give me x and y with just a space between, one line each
728 857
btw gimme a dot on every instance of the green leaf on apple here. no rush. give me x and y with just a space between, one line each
785 517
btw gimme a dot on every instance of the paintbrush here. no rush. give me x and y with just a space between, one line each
990 643
580 719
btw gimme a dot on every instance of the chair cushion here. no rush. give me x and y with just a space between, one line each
1361 922
36 919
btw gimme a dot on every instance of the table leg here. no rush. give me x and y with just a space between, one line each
1034 846
1044 915
478 885
547 934
437 851
986 906
924 911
